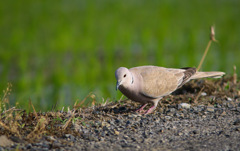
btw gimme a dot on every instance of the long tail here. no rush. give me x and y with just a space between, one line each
211 74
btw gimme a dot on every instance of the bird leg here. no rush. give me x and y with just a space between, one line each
151 109
155 103
141 108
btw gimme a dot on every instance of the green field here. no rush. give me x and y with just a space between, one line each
60 51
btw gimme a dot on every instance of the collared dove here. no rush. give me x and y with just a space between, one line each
148 84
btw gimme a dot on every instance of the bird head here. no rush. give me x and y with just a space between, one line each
123 76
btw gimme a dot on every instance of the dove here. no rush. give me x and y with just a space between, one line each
148 84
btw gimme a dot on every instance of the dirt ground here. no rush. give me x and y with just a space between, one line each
202 115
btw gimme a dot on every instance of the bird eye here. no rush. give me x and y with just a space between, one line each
124 75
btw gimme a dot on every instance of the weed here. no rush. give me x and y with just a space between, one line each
39 128
9 117
5 99
212 38
86 100
227 86
75 119
234 75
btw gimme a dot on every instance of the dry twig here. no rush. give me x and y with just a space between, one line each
212 38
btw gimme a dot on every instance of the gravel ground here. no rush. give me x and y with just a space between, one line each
209 120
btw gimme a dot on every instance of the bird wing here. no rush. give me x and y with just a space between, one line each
159 81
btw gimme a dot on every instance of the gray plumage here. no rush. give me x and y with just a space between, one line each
148 84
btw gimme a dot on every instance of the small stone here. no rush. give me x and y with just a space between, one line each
195 131
137 146
172 110
219 106
56 145
168 117
134 139
118 121
125 137
116 132
210 109
105 124
124 141
237 129
4 141
236 122
128 122
184 105
50 138
101 139
29 146
224 113
227 135
203 94
180 134
160 131
69 137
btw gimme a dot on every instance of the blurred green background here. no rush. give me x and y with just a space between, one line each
61 50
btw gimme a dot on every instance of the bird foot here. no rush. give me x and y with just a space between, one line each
141 109
150 110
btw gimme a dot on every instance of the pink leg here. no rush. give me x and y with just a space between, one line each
151 109
141 108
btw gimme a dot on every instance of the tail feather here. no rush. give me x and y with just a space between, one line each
212 74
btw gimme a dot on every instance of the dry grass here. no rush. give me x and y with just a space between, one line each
33 125
9 117
212 38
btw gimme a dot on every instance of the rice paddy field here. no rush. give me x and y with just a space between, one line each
55 53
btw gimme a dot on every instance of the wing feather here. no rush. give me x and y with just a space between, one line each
158 81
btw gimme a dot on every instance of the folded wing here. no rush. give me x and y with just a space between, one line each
159 81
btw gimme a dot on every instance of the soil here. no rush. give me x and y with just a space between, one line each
202 115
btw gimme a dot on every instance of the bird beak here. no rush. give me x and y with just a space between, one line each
118 84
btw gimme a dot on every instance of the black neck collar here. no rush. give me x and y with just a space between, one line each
132 80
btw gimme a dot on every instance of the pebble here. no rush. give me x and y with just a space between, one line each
224 113
70 137
184 105
29 146
210 109
56 145
171 110
168 117
236 122
4 141
128 122
50 138
116 132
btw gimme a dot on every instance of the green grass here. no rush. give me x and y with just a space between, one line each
59 51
